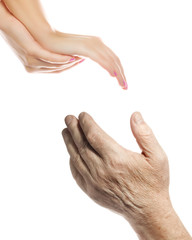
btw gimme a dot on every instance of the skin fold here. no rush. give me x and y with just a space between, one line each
134 185
30 14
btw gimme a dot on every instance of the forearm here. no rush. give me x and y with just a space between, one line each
4 17
30 13
161 223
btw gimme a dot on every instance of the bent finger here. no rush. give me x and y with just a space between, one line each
74 154
88 154
101 142
34 69
120 75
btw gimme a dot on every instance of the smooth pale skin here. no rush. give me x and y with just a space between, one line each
135 185
30 14
33 56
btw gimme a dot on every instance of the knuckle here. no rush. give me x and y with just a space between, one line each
83 148
103 175
96 39
77 162
100 171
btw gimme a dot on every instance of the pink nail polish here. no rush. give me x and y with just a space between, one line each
125 85
115 74
72 59
82 61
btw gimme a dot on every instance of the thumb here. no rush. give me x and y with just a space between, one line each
145 137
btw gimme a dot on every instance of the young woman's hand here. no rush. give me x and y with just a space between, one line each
87 46
30 13
34 57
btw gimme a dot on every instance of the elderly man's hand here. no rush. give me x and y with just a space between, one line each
131 184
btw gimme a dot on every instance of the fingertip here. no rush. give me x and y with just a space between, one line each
135 113
68 119
125 87
82 60
119 82
85 119
82 115
121 79
133 122
137 118
64 132
122 83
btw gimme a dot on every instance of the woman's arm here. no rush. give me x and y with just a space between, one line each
33 56
30 13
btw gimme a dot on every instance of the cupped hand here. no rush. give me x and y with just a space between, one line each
33 56
87 46
134 185
32 17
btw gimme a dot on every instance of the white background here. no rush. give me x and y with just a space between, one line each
38 197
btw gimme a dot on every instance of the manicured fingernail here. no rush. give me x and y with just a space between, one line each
138 118
115 74
82 61
72 59
68 120
125 85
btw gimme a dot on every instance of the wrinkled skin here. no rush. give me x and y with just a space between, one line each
131 184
